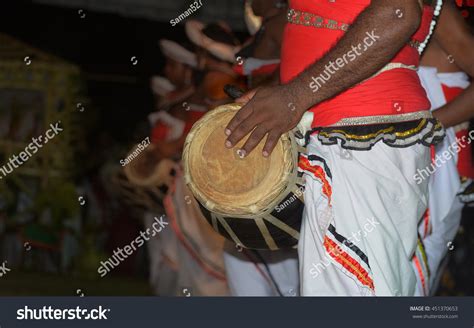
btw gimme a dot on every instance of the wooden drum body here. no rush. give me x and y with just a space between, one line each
256 202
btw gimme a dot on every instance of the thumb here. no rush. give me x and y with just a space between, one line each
246 97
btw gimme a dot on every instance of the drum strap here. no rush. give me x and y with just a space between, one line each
266 234
283 226
230 231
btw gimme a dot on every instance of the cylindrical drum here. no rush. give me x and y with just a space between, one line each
256 202
149 170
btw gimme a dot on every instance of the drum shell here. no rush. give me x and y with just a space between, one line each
248 232
272 226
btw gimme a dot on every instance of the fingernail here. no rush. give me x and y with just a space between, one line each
227 132
265 153
228 144
241 153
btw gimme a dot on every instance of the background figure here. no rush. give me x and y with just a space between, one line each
187 258
259 58
258 272
445 63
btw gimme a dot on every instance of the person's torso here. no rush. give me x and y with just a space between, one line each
314 26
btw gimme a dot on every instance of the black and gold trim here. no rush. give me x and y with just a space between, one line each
467 194
425 131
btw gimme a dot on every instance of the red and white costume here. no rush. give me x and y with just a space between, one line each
362 204
441 223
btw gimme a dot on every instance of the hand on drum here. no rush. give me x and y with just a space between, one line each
268 111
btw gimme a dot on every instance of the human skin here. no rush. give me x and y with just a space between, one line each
267 111
452 50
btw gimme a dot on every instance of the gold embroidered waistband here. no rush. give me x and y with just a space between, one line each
309 19
383 119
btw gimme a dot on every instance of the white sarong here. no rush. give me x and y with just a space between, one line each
440 225
359 230
247 275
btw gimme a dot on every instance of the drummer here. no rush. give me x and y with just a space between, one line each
366 115
252 273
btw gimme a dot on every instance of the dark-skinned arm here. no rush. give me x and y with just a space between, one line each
275 110
455 38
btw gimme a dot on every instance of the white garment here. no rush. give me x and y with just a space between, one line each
248 276
176 125
200 249
445 207
251 64
186 257
363 212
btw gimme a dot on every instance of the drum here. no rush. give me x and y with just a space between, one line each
145 179
256 202
140 199
149 170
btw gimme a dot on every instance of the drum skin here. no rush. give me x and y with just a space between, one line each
254 201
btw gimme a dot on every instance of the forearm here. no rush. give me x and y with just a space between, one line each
391 24
457 111
455 38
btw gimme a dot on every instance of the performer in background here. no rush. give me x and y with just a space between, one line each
216 45
259 59
186 257
352 65
447 59
262 272
184 106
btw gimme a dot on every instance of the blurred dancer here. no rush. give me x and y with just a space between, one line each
216 48
185 106
186 258
445 63
259 59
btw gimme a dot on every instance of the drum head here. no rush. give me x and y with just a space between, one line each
223 182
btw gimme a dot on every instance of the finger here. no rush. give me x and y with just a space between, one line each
241 131
238 118
257 135
272 140
245 98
